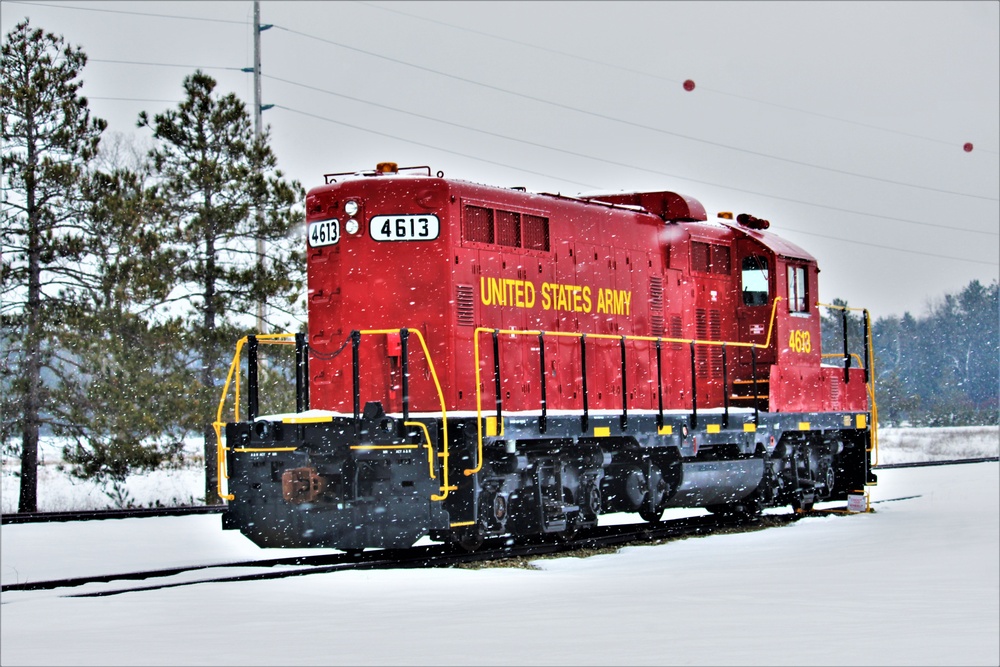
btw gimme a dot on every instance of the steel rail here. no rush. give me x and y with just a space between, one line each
434 555
89 515
143 512
924 464
441 555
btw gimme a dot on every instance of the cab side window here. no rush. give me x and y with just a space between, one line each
755 280
798 301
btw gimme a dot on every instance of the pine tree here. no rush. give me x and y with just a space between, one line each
128 401
216 178
48 137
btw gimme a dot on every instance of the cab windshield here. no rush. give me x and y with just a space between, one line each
755 280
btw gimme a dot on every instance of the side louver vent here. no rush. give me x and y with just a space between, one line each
676 330
656 293
708 326
656 305
465 302
656 324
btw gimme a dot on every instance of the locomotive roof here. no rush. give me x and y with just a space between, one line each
621 200
780 246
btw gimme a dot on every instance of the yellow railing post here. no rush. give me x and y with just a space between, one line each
870 387
218 424
565 334
233 379
445 488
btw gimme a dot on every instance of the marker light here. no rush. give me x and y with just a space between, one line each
351 226
351 208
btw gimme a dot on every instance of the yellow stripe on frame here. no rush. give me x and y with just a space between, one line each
491 426
803 426
665 430
602 431
749 428
264 449
862 421
712 428
307 420
370 447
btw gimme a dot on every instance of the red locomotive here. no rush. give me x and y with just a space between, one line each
484 361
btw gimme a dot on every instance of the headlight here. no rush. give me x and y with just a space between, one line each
351 226
351 208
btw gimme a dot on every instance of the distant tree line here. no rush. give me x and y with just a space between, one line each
127 274
942 369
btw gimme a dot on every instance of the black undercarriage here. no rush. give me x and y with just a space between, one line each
382 481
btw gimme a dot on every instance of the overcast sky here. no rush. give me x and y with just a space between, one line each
843 123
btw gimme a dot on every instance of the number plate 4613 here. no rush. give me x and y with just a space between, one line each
404 227
324 232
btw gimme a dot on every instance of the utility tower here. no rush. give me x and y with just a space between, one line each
258 132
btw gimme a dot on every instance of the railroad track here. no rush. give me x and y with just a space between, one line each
435 555
93 515
141 512
90 515
924 464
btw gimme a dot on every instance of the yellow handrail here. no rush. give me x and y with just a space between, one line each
289 339
871 372
220 451
444 411
840 355
566 334
428 444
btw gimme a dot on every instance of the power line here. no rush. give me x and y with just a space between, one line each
527 171
132 99
432 146
889 247
544 146
149 64
548 147
533 98
619 164
658 77
577 154
121 11
650 128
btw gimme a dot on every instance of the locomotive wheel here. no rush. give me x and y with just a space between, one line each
748 509
649 514
654 503
469 538
592 506
572 527
800 504
573 519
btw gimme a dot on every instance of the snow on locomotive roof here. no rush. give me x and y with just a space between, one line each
781 246
674 207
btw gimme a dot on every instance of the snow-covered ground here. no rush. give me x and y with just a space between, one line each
905 445
184 485
914 583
